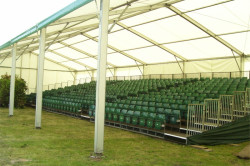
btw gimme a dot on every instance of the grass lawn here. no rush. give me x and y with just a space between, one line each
67 141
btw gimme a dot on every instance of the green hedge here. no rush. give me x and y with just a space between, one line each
20 89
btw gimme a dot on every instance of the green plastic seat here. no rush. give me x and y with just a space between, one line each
151 109
131 107
133 102
168 113
135 117
191 98
174 106
145 103
117 111
107 111
214 92
138 102
151 104
183 107
127 102
142 118
91 113
172 101
186 102
179 102
177 97
173 120
150 123
152 116
160 117
158 99
125 106
160 110
128 116
166 105
120 105
122 115
138 108
114 105
158 105
110 113
195 102
170 97
164 100
144 108
122 101
175 117
159 122
109 104
150 120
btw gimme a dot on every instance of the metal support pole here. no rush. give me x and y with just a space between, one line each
92 75
12 83
242 65
21 64
115 73
101 77
39 90
75 77
184 69
139 68
143 76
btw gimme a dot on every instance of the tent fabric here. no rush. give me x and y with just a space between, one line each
234 132
146 33
73 6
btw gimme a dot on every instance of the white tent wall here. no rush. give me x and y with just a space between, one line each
219 65
110 73
169 68
247 64
5 63
27 69
247 67
131 71
6 66
52 77
83 77
221 68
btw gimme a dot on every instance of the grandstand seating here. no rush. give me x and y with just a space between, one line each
150 103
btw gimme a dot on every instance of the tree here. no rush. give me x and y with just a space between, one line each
20 90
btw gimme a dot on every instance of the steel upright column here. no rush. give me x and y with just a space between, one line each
39 89
75 77
12 83
184 69
115 73
242 65
101 77
92 75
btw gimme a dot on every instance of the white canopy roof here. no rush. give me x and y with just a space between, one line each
147 32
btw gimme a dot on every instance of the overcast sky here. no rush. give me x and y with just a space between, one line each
17 16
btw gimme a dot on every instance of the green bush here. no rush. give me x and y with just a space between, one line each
20 89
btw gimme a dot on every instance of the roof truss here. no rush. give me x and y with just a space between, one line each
204 29
59 36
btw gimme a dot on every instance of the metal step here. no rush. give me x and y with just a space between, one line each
221 119
207 124
191 129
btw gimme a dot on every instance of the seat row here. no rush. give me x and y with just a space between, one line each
142 119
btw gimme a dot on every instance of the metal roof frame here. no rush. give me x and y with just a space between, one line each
58 36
